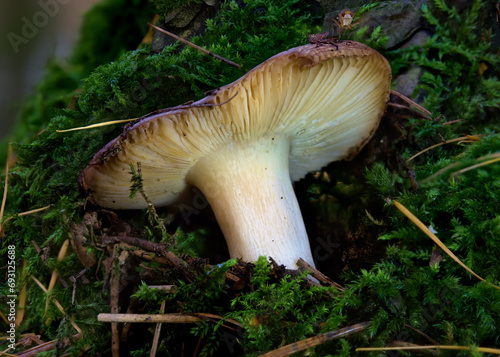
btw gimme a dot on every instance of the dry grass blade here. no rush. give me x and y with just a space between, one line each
4 318
438 347
489 162
463 139
6 187
148 38
22 297
57 303
21 215
195 46
436 240
97 125
53 278
316 340
491 159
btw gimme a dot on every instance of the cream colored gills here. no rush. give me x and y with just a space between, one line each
245 143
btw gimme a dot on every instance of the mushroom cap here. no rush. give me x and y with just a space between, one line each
327 99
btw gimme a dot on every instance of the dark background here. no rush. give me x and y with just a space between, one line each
54 35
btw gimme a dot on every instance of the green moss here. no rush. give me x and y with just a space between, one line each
166 6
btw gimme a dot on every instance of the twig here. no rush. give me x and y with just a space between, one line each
434 342
166 288
159 249
47 346
316 340
195 46
114 300
198 346
436 240
148 245
157 332
174 318
318 275
411 102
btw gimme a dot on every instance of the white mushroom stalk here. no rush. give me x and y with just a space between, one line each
244 145
249 189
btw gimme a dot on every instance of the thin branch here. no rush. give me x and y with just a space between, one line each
411 102
173 318
159 249
195 46
47 346
316 340
431 340
156 337
114 292
318 275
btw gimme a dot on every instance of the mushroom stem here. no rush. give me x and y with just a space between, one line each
249 188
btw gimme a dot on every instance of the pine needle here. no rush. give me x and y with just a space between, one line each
53 278
21 215
57 303
195 46
21 307
6 187
4 318
492 158
489 162
148 38
436 240
97 125
438 347
462 139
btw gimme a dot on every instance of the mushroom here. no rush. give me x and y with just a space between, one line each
245 143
